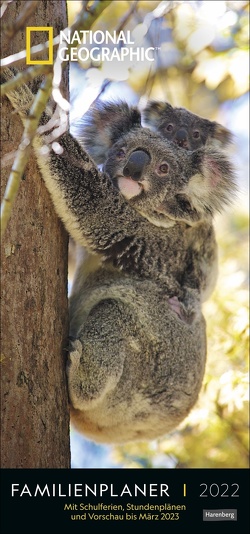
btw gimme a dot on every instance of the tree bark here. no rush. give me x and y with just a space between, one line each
35 416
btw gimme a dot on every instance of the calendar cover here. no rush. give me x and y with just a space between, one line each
124 278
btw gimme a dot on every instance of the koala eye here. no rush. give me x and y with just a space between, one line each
196 134
120 153
169 127
163 168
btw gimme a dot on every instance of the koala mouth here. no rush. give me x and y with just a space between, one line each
128 187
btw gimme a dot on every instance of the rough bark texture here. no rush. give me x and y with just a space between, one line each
35 419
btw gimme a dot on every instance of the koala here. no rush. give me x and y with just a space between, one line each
185 129
137 333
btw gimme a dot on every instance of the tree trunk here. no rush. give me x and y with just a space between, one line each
35 418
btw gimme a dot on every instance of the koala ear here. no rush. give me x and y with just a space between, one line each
221 134
103 125
212 182
152 114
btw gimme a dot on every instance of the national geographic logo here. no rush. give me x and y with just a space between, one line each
49 31
97 46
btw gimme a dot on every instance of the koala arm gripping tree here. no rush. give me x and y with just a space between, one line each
126 314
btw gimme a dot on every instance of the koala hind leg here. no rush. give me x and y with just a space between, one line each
96 357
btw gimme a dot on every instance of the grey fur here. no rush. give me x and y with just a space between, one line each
138 349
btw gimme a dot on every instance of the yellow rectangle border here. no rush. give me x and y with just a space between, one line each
48 61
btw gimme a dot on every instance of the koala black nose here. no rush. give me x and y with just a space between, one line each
135 165
181 138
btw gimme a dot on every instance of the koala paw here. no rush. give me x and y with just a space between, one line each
175 305
185 313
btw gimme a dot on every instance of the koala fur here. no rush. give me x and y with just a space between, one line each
138 336
187 130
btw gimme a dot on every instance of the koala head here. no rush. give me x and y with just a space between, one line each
185 129
160 180
165 183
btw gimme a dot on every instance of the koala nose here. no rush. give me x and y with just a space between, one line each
135 165
181 138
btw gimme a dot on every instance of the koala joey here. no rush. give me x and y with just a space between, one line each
187 130
138 336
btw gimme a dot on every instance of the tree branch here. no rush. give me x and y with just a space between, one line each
23 153
11 29
24 77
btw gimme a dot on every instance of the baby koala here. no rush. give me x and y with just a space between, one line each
187 130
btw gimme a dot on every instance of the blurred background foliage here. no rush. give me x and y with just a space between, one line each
201 63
